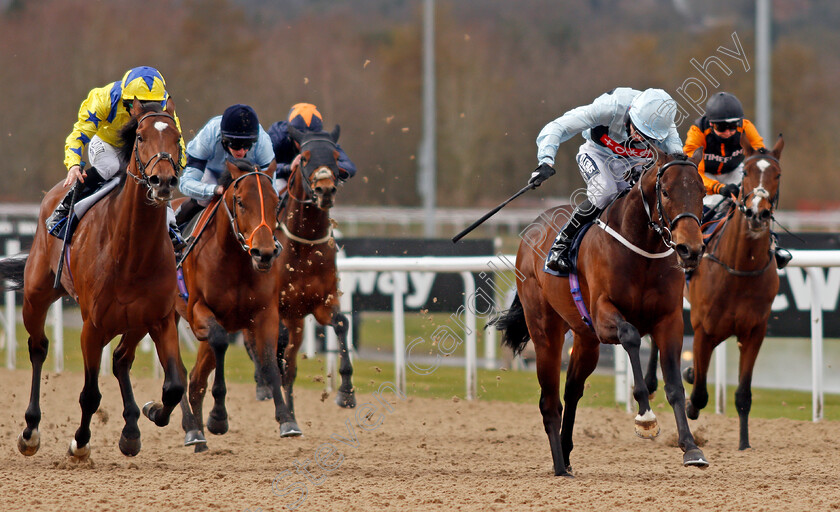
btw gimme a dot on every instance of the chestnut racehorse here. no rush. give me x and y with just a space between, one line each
308 277
732 290
630 283
233 284
121 271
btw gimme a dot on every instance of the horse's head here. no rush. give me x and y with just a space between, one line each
318 165
152 149
760 187
678 200
251 204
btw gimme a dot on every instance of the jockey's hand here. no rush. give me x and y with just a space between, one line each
730 190
295 164
219 190
75 173
540 174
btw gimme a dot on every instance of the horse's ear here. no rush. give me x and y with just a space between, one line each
232 168
136 108
746 146
335 133
170 106
296 134
778 147
697 157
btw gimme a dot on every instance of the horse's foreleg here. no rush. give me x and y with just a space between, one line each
582 363
165 336
703 348
743 395
549 353
92 344
651 380
264 337
193 401
34 317
668 337
263 391
217 421
346 396
123 359
295 331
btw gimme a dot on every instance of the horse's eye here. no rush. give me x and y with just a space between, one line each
238 202
665 194
139 138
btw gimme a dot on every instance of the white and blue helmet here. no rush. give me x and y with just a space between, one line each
652 113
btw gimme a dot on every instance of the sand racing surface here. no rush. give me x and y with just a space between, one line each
423 454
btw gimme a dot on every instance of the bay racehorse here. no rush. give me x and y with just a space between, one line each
233 284
120 268
732 290
630 283
308 277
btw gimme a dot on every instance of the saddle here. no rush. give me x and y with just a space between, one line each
81 207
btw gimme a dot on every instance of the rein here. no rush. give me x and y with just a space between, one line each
143 179
657 226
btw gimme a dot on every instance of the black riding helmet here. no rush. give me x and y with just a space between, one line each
239 126
723 107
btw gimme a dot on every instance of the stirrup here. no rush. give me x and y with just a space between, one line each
783 257
557 259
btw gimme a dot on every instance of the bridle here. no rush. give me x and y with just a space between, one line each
323 172
741 204
245 243
143 179
664 225
758 191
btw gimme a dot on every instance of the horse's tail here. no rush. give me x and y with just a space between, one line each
512 323
11 272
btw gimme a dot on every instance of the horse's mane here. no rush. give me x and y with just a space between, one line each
243 165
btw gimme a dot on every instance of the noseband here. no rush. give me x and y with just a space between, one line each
234 224
143 179
664 225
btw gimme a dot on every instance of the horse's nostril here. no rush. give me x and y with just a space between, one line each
173 181
154 181
255 253
682 250
765 214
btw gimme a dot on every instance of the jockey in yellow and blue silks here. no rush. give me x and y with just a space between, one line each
101 116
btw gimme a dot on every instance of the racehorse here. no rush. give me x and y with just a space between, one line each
308 277
121 270
233 284
630 284
733 288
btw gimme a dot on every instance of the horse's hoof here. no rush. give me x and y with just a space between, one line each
264 393
290 429
741 446
129 447
194 437
688 375
151 410
695 458
565 473
217 426
80 454
646 426
31 446
201 447
346 400
692 412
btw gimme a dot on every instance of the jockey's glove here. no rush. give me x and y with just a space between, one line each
540 174
730 190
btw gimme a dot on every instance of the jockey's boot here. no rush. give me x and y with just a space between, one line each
82 190
186 211
558 256
782 255
177 240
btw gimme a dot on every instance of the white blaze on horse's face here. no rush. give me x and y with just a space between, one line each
760 192
160 125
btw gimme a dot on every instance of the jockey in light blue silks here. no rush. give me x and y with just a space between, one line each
619 128
235 134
